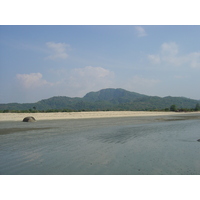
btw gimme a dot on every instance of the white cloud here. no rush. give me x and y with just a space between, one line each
141 84
77 82
169 48
169 54
90 78
155 59
194 59
92 72
33 80
59 50
140 31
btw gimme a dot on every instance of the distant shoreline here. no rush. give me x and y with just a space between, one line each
87 115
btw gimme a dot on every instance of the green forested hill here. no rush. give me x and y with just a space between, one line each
106 99
116 95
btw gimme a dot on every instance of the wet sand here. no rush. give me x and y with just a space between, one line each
140 145
5 131
88 115
103 120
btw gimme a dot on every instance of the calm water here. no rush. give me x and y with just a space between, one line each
142 145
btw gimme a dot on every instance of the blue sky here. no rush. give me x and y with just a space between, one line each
38 62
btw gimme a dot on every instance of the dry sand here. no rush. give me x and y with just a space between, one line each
83 115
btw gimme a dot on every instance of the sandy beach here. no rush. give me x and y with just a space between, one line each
85 115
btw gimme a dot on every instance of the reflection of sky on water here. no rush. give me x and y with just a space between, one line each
32 157
102 146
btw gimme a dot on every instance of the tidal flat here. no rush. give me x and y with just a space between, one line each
143 145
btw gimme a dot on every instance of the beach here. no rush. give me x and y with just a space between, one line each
130 145
87 115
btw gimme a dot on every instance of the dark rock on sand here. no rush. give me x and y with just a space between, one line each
198 140
29 119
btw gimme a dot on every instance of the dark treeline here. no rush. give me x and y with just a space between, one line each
37 111
173 108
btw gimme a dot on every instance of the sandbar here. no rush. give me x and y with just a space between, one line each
87 115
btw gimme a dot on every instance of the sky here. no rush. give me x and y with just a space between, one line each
39 62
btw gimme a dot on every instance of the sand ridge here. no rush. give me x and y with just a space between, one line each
84 115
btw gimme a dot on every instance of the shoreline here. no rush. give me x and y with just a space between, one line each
88 115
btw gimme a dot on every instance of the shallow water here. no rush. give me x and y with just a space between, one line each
129 145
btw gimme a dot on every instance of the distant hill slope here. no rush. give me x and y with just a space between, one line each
106 99
112 95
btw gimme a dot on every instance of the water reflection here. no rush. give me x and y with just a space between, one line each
120 135
102 147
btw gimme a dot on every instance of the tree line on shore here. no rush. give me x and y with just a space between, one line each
172 108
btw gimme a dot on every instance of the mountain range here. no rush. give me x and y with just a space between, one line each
105 99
